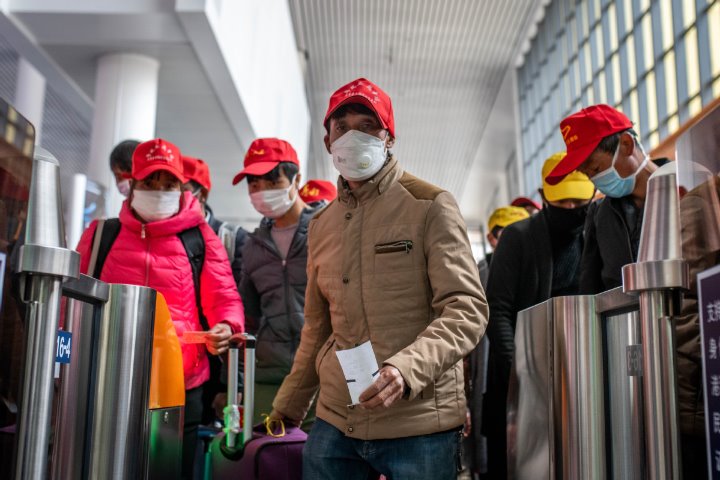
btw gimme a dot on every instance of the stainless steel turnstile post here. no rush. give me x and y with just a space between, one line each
658 277
43 262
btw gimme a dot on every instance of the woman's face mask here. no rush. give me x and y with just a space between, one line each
358 156
611 183
273 203
154 205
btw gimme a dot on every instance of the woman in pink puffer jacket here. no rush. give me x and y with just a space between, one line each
148 252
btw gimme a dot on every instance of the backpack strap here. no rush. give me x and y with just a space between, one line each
109 230
194 244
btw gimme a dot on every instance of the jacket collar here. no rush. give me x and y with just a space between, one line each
374 187
189 216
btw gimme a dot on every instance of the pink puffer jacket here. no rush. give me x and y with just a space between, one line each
153 255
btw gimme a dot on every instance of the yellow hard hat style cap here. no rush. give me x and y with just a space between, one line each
574 185
504 216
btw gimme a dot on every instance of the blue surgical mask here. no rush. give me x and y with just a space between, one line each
612 184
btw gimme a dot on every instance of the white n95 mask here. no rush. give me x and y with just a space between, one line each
154 205
358 156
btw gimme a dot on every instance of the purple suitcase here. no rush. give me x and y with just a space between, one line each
251 454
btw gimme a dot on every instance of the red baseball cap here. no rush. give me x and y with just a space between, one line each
582 132
265 154
525 201
154 155
197 170
366 93
316 190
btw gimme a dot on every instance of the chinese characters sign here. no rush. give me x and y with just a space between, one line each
709 307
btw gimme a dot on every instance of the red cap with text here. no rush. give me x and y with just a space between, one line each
265 154
366 93
582 132
197 170
316 190
155 155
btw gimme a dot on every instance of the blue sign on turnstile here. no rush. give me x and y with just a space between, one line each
64 347
709 307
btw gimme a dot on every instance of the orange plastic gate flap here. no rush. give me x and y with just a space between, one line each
167 382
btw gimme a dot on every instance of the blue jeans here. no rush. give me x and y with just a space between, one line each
329 454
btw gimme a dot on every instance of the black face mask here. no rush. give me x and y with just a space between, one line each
563 220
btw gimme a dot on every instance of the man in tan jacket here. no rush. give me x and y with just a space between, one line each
389 262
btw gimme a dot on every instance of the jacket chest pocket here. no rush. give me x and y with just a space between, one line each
394 256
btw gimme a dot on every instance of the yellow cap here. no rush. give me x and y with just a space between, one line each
575 185
504 216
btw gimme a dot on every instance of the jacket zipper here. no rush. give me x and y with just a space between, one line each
147 255
399 246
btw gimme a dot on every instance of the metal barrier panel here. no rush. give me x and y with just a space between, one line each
70 448
578 386
86 298
530 439
120 429
556 420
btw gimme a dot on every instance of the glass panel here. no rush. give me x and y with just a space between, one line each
588 64
651 102
693 66
628 14
600 88
688 13
653 140
713 19
673 124
589 97
635 113
617 86
695 106
631 65
670 83
600 50
668 35
612 17
584 18
647 35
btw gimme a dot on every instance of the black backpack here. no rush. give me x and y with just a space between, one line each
191 239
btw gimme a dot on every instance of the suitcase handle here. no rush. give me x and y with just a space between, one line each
232 415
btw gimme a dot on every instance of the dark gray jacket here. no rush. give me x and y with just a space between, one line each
273 294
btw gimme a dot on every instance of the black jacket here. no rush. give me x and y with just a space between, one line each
520 277
273 293
609 245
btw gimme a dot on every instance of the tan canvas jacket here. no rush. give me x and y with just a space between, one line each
390 263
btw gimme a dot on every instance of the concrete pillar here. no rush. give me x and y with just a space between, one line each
30 95
125 108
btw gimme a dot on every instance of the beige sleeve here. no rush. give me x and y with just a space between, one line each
458 300
299 387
